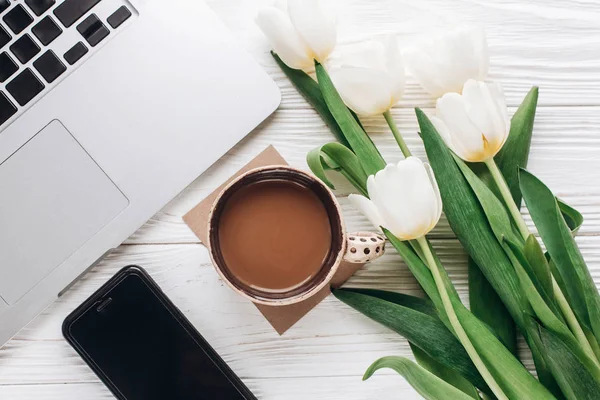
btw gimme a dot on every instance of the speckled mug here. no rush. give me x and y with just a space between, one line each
358 248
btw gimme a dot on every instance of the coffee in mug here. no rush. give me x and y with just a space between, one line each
276 236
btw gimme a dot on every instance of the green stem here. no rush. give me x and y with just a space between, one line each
396 132
571 319
507 196
453 318
593 342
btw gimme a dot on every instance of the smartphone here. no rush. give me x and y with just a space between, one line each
143 348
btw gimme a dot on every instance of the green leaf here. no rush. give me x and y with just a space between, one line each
424 382
444 373
470 224
506 369
515 152
424 331
419 304
554 231
422 273
425 306
534 255
487 306
361 143
493 208
545 375
312 93
572 217
545 310
576 381
485 303
334 156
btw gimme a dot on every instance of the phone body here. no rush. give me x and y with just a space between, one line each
143 348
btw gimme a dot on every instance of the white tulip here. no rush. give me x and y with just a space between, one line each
405 199
443 65
370 77
475 125
300 32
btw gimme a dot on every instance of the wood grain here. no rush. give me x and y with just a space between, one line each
333 341
565 154
551 43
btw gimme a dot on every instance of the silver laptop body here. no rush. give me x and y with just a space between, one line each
97 149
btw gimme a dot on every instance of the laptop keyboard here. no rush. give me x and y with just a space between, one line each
30 61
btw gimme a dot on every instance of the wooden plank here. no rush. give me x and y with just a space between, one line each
332 341
550 43
564 154
381 387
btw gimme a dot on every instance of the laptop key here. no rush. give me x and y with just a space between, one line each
25 87
40 6
4 37
72 10
18 19
75 53
7 67
49 66
7 108
118 17
46 30
4 4
93 30
25 48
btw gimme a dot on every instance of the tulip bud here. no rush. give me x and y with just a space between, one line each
405 199
370 77
444 64
475 125
300 32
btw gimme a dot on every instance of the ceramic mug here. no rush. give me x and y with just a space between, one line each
357 248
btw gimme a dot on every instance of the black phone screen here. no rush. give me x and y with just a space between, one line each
145 349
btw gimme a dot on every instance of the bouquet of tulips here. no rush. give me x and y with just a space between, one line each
477 175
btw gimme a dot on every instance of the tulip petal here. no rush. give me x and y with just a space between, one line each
366 91
467 139
385 192
438 197
451 54
317 27
446 135
404 196
497 95
368 54
368 209
424 202
395 68
422 67
466 56
485 111
444 64
443 130
282 35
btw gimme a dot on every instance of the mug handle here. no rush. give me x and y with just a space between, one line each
362 247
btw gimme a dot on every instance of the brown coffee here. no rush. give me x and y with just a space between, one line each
274 235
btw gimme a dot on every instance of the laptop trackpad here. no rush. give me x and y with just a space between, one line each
53 198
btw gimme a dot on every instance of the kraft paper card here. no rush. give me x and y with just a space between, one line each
284 317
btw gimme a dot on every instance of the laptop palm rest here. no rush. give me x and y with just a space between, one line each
53 198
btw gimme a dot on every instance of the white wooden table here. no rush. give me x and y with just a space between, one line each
551 43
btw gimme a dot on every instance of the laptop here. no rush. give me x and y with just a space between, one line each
108 109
